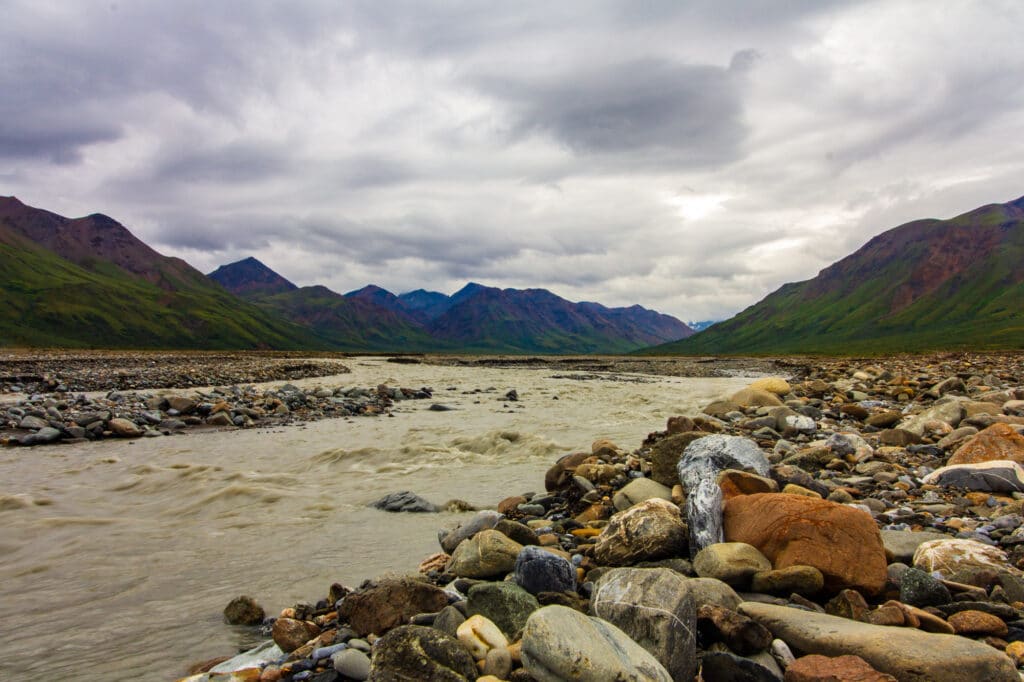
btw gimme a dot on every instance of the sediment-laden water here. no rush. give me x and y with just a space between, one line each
117 557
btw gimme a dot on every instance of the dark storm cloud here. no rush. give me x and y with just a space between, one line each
647 106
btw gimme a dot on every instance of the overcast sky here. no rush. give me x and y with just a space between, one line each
687 156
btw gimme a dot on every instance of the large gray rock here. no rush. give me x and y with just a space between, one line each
903 543
712 591
908 654
698 470
562 644
647 531
538 570
43 436
949 410
404 501
487 554
411 653
450 538
654 607
995 476
638 490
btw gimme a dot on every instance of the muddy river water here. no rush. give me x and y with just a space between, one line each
117 557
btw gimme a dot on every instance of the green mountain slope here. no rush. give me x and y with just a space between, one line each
80 293
926 285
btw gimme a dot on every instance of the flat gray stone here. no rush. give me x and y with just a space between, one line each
908 654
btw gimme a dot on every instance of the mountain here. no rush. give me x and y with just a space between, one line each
488 319
925 285
250 276
701 325
89 282
425 305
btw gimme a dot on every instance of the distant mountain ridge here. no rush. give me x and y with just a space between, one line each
925 285
476 318
251 276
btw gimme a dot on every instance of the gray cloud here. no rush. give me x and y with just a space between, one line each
690 157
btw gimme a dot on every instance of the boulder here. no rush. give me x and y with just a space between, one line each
805 580
388 603
755 397
711 591
124 428
740 633
487 554
562 644
994 476
698 470
404 501
948 410
656 609
414 652
290 633
650 530
450 538
352 664
775 385
243 611
921 589
505 604
734 482
997 442
560 474
790 530
537 570
731 562
907 654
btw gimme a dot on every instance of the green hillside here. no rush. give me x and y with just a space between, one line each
50 301
926 285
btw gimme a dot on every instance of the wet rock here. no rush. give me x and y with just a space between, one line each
124 428
559 476
904 653
817 668
404 501
842 542
537 570
734 563
450 538
487 554
997 442
290 634
448 620
655 607
388 603
562 644
43 436
414 652
244 611
650 530
505 604
33 423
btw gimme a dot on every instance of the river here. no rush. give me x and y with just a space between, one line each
117 557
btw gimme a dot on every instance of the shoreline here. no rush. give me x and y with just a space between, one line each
872 438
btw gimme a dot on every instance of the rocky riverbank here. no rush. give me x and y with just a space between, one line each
864 520
151 394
